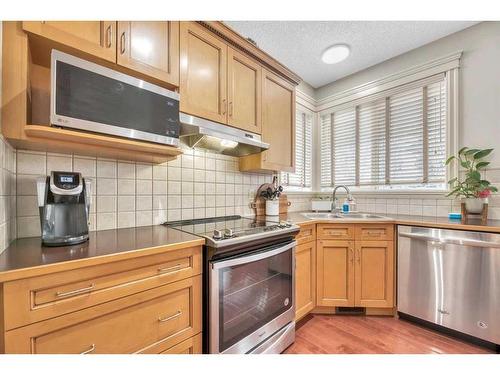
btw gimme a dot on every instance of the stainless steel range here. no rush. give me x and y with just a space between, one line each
249 289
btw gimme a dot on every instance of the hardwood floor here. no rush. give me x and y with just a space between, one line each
340 334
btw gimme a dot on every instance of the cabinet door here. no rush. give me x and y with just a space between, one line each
150 47
335 273
203 73
278 123
244 92
97 38
374 272
305 278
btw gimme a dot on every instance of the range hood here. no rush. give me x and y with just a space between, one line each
197 132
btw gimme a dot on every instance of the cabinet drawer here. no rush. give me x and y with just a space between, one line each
43 297
374 232
192 345
307 233
335 231
168 314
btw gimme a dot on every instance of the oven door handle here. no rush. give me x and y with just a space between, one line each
253 257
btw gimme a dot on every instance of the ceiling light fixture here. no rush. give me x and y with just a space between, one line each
335 53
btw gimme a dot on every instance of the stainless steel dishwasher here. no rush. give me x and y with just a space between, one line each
451 278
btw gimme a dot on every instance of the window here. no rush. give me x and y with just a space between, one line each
302 178
392 140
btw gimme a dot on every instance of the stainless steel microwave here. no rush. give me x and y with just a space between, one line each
94 98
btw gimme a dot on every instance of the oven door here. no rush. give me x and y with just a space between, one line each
251 297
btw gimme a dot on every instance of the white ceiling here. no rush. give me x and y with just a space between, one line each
299 44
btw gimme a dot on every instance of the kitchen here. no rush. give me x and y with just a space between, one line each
196 187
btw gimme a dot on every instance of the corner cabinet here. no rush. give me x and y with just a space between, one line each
305 271
96 38
151 48
203 64
278 127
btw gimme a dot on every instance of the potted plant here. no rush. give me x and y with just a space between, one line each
472 189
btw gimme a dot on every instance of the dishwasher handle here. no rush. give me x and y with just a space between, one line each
451 240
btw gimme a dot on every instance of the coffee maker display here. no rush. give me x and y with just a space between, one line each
64 203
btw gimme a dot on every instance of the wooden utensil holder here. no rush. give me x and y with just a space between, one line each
483 214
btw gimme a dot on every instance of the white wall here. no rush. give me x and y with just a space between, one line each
479 123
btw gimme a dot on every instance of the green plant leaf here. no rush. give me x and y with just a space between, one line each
471 151
452 180
465 164
493 189
482 164
462 150
448 161
482 153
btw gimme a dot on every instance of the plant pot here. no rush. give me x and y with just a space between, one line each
272 207
475 205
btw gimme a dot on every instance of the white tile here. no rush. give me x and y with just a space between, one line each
220 189
144 187
199 175
403 209
26 184
187 188
443 211
126 170
187 174
159 172
230 189
229 211
174 201
220 177
187 201
229 200
28 226
106 220
173 215
174 187
210 176
210 188
199 201
210 200
174 173
198 213
159 187
416 210
210 164
144 203
143 218
429 210
220 200
187 161
106 168
220 165
144 171
106 203
159 202
87 167
126 203
220 211
210 212
159 216
31 163
199 162
187 213
106 186
59 163
126 187
199 188
126 219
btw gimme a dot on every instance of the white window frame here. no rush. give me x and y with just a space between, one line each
448 64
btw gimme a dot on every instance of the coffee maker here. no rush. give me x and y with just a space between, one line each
64 204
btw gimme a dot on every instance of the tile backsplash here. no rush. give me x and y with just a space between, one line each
125 194
7 194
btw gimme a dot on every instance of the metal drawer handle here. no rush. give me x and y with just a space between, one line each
163 320
172 269
75 292
88 351
108 37
122 43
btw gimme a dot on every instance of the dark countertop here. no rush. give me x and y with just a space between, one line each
492 226
27 257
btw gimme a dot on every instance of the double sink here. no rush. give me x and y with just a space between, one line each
342 215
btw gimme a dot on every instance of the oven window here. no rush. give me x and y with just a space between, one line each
251 295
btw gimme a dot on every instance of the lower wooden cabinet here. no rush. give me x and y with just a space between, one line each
305 279
357 272
335 273
192 345
374 274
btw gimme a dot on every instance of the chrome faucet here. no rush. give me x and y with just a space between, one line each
335 207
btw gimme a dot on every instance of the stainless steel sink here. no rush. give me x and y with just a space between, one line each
349 215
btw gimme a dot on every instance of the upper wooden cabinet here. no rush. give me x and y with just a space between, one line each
150 47
278 127
203 64
97 38
244 78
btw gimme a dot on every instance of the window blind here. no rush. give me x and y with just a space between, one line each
396 138
303 152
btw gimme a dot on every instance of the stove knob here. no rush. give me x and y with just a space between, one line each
228 233
282 224
217 235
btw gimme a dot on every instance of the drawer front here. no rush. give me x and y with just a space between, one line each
307 233
335 231
169 318
43 297
375 232
192 345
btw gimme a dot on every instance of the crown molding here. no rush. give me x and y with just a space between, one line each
305 100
